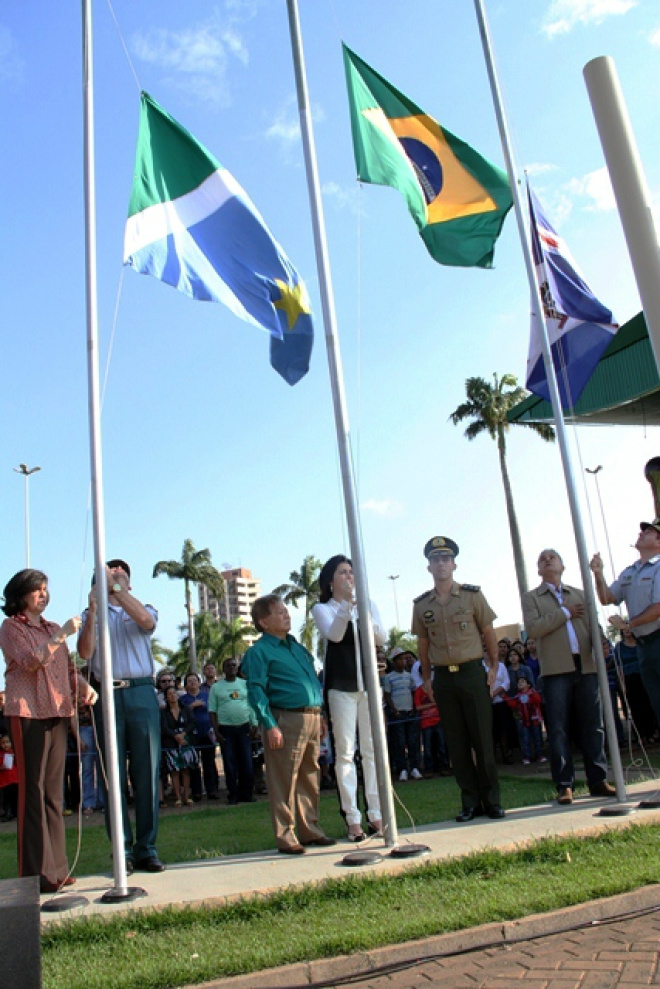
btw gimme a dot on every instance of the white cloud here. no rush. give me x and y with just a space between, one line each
195 59
386 507
563 15
11 63
596 188
539 168
285 127
342 197
654 38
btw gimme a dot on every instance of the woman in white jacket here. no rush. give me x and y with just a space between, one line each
344 687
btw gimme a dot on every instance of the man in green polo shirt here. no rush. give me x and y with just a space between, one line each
285 694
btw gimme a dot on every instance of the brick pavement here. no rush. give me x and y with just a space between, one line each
552 952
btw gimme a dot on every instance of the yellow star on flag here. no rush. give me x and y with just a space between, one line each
293 301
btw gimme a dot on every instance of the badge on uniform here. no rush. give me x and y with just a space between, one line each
464 625
428 616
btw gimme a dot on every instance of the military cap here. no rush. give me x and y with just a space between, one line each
655 524
440 544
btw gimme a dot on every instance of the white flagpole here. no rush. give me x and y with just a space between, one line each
343 436
630 187
583 556
120 890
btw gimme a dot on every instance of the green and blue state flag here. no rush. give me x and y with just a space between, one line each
457 199
190 224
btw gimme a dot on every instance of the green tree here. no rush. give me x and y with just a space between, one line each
194 567
404 640
487 406
207 638
234 637
303 585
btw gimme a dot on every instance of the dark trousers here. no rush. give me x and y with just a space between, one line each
404 734
435 748
573 698
466 712
236 748
648 655
137 717
40 750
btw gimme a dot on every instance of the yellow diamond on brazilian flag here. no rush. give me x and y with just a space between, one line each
457 199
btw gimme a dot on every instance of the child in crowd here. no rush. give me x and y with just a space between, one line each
403 720
8 779
434 742
526 707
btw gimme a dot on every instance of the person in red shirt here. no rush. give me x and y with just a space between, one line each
526 707
434 742
8 779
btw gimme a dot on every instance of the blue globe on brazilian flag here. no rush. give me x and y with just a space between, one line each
457 199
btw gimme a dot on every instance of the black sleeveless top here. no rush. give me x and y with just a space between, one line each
340 671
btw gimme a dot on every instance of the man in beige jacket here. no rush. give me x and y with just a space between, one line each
554 615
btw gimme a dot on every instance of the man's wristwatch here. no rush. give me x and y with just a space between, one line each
116 588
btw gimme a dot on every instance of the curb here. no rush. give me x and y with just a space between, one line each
329 970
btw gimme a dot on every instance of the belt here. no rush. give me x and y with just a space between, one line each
133 682
301 710
457 667
651 637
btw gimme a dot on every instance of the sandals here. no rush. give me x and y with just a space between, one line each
177 803
360 836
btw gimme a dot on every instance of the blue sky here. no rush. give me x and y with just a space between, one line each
201 439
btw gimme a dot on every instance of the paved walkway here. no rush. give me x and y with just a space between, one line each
524 954
605 953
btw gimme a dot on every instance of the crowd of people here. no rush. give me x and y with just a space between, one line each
459 705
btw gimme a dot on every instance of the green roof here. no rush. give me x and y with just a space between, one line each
623 390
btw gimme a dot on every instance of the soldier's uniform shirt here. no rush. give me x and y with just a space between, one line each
453 629
639 587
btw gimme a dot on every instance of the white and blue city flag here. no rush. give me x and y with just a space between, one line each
580 328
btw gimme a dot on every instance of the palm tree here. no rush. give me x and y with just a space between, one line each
194 567
398 637
304 583
234 637
207 638
487 406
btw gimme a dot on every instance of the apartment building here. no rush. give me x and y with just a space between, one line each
241 589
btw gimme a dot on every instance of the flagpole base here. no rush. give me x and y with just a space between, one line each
118 894
362 858
616 810
408 851
61 903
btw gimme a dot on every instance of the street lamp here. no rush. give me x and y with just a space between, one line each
394 577
26 471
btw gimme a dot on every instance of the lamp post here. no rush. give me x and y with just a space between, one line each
26 471
394 577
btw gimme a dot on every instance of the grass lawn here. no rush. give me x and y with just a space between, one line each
217 830
181 947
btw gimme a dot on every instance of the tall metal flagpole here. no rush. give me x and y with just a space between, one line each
633 200
583 556
120 890
343 436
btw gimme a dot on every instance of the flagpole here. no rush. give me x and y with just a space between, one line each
343 436
120 890
571 490
630 187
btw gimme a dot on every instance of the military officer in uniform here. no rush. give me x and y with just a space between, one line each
449 623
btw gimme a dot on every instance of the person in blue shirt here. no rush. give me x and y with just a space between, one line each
285 694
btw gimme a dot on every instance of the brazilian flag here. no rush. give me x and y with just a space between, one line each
457 199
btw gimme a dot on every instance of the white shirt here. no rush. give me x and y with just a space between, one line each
332 620
572 637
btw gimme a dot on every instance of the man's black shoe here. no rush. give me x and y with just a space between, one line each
152 864
468 814
495 812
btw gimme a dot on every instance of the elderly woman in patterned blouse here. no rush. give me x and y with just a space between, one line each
41 689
